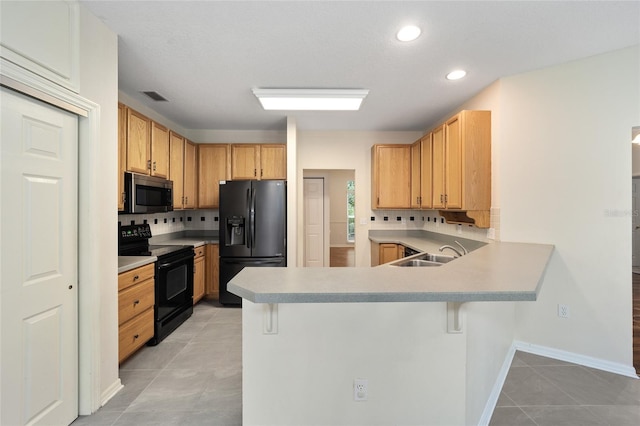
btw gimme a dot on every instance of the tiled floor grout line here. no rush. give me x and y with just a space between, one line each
553 384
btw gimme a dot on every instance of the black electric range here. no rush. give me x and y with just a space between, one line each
173 277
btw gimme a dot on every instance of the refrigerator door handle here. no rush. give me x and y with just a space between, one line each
249 216
253 217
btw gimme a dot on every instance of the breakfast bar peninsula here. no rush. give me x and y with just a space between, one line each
430 343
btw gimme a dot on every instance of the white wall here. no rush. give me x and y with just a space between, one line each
99 83
348 150
565 169
304 374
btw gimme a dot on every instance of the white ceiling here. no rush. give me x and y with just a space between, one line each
206 56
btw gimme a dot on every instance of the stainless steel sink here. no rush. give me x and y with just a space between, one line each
423 260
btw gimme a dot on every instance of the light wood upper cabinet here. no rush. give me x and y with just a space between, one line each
416 158
122 152
176 168
273 161
437 146
391 176
182 171
190 164
138 142
213 166
453 163
426 170
159 150
462 162
147 145
244 161
263 161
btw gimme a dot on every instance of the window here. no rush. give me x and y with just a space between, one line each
351 211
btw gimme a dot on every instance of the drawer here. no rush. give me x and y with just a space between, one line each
135 276
199 251
135 299
134 333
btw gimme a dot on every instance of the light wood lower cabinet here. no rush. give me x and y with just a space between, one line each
389 252
212 280
136 297
386 252
199 273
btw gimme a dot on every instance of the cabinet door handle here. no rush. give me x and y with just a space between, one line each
255 172
135 337
135 278
135 302
149 164
441 198
261 172
154 166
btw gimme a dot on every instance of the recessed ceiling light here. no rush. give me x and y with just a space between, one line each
456 75
408 33
311 99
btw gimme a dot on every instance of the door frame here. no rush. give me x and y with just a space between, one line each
89 329
311 174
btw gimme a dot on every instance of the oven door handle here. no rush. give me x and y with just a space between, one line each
174 262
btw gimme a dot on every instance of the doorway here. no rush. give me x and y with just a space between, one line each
329 218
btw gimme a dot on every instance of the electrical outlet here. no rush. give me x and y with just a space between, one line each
360 389
563 310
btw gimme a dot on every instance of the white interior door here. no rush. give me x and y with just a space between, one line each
38 270
313 222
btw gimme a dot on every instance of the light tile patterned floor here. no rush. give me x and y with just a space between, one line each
194 377
541 391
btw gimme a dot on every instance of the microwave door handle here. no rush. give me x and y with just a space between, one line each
248 230
253 217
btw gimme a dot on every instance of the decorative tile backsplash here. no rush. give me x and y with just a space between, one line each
175 221
430 220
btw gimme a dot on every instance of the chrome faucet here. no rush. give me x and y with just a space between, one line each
446 246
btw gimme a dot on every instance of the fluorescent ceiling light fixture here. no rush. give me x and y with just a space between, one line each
311 99
456 75
408 33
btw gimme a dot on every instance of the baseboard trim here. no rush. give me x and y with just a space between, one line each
584 360
574 358
110 392
485 418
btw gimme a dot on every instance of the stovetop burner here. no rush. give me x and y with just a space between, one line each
134 241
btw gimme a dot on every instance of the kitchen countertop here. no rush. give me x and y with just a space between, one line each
497 271
127 263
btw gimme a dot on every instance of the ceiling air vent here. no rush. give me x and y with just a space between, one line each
156 96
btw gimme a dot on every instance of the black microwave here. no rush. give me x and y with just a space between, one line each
147 194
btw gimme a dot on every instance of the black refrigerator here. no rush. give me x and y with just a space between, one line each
253 229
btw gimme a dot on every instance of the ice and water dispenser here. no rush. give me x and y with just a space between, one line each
235 231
